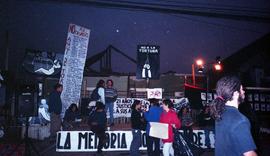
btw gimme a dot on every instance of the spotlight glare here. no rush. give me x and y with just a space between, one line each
218 67
199 62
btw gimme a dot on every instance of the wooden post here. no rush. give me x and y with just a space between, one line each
193 74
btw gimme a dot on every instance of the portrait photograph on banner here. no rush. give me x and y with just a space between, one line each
148 62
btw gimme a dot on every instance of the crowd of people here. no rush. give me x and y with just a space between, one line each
101 100
232 129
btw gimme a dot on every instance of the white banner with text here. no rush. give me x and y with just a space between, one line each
73 64
83 141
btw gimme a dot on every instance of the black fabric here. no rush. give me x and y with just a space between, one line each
194 97
84 106
95 96
150 141
180 145
98 118
55 103
137 121
205 120
100 133
91 115
98 122
183 147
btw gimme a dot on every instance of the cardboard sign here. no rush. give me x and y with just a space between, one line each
154 93
159 130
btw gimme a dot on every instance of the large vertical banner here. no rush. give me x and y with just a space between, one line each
148 65
73 64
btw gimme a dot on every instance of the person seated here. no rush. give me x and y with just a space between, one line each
71 117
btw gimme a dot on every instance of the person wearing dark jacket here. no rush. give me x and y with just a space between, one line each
98 125
186 120
137 124
55 109
208 124
153 115
71 114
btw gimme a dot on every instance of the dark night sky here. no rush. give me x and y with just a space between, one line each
182 38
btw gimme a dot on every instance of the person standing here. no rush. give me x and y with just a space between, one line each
98 93
186 121
233 136
169 116
110 98
153 115
207 123
55 109
137 124
98 125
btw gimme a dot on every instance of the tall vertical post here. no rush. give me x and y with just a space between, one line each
193 74
128 85
207 86
7 51
147 82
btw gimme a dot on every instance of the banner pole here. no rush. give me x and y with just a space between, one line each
147 82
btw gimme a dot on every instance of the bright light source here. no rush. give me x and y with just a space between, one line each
218 67
199 62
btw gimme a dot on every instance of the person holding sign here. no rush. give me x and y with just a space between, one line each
233 136
137 124
153 115
169 117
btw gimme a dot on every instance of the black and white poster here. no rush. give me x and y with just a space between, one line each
122 106
148 62
259 100
42 62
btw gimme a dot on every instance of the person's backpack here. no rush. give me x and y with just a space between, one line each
95 96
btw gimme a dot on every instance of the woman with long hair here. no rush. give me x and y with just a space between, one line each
186 120
71 114
137 125
169 116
